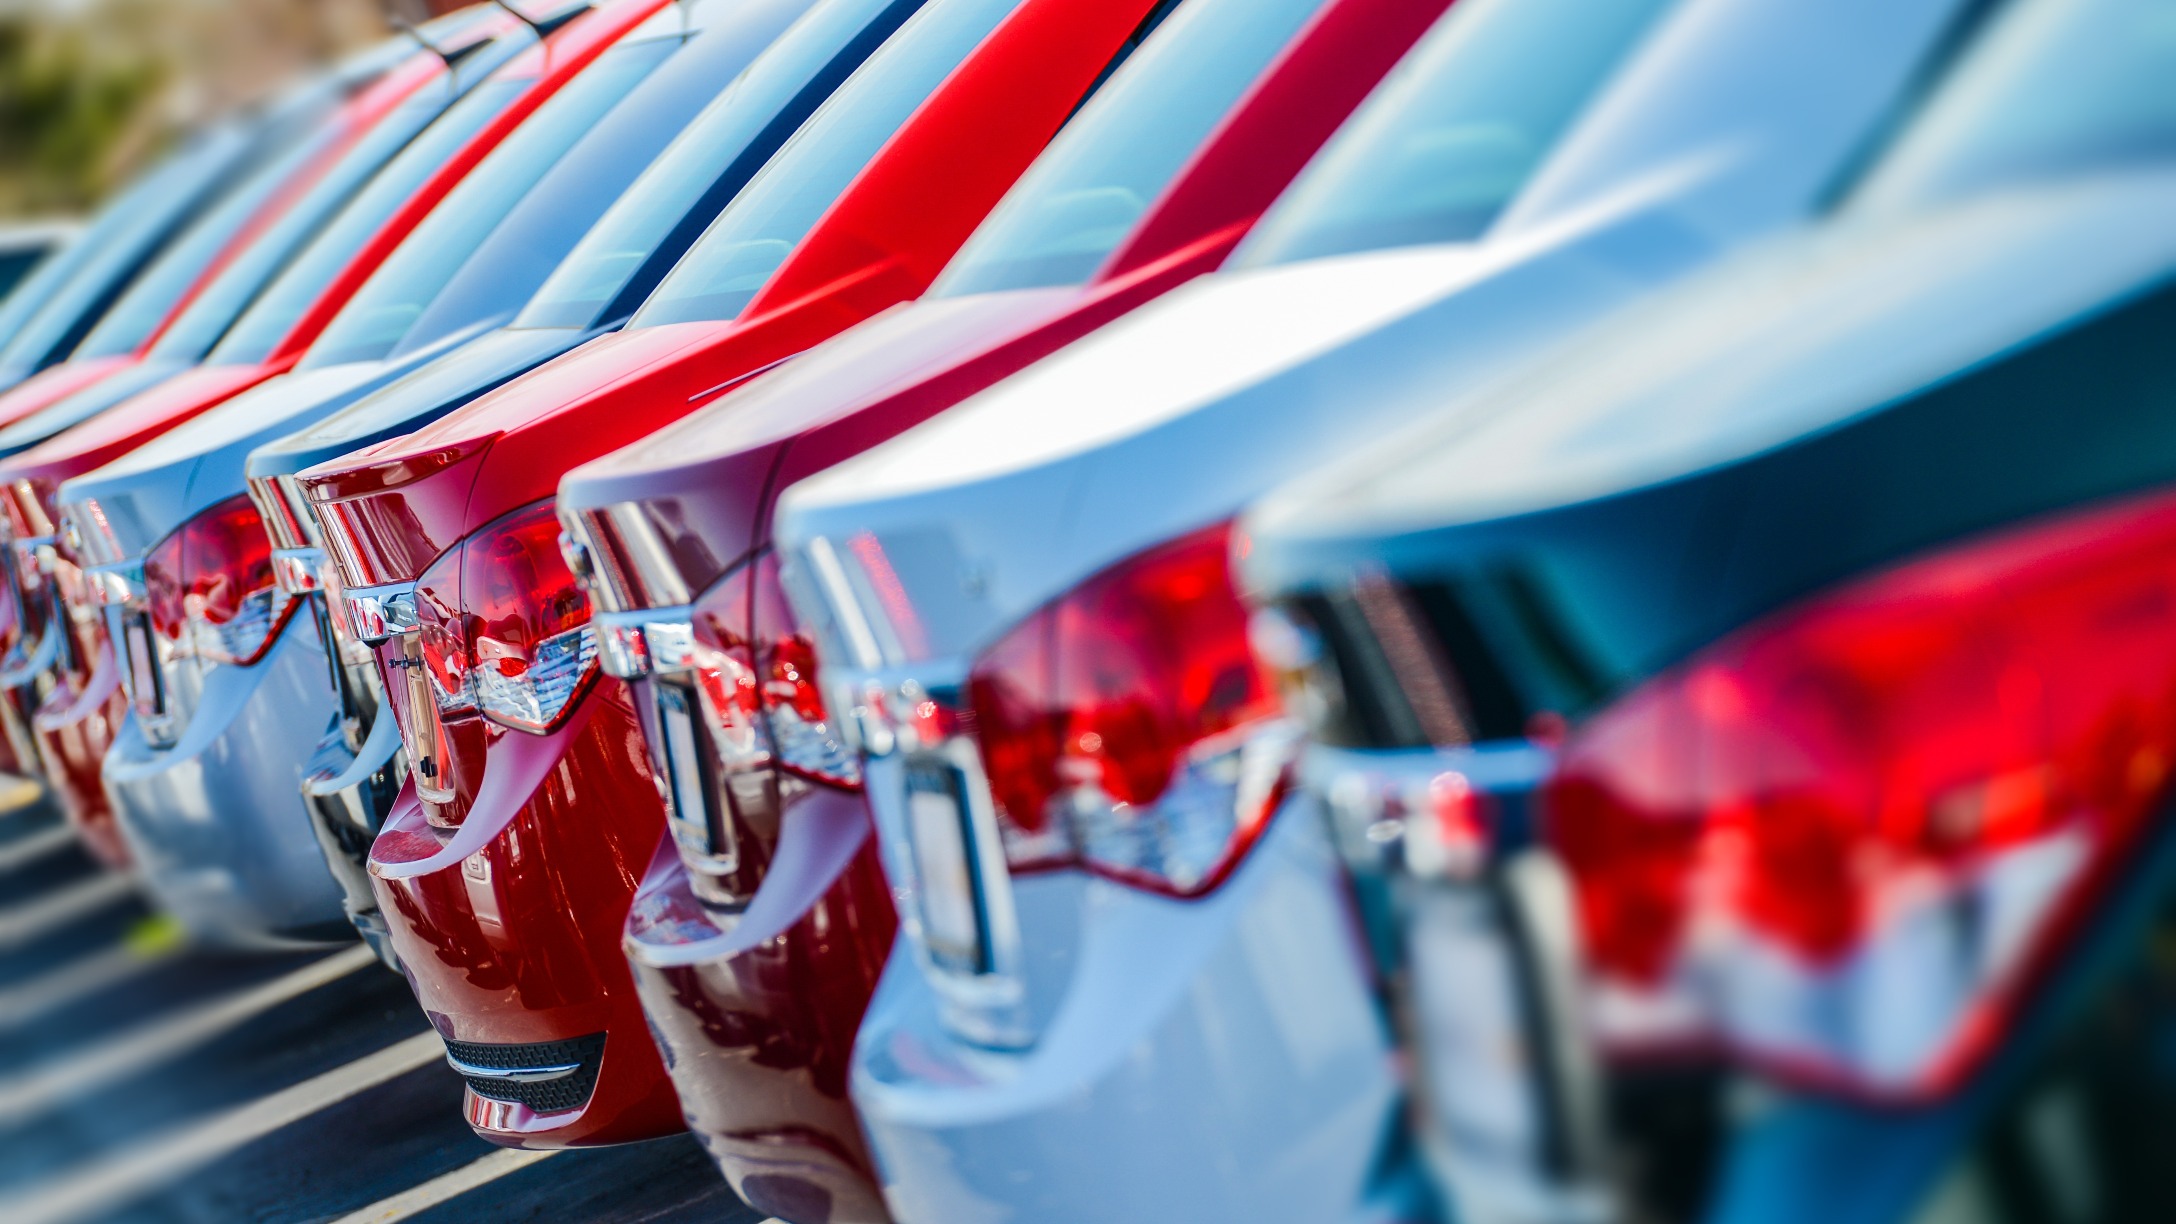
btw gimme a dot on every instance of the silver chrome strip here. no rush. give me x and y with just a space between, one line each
297 570
376 614
632 645
515 1075
117 585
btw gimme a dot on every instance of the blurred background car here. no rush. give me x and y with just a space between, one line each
359 767
746 912
146 356
1026 606
1736 711
220 724
513 743
25 244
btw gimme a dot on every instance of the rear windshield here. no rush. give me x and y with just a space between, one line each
45 309
1457 129
368 327
1082 197
2055 88
147 302
257 333
602 266
213 310
752 237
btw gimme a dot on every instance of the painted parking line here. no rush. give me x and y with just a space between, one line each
99 1186
31 921
419 1199
20 852
18 794
67 1078
78 979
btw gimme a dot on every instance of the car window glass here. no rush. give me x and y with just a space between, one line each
381 312
1455 131
213 310
1084 195
138 314
753 236
261 329
2056 87
52 303
641 224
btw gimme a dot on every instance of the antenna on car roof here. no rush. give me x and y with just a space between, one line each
423 40
545 25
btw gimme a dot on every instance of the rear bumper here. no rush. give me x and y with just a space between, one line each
757 1012
1219 1059
73 729
347 795
215 823
508 927
25 684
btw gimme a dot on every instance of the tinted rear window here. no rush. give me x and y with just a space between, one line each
1457 129
147 303
680 186
722 273
257 333
1082 197
382 311
2053 89
214 310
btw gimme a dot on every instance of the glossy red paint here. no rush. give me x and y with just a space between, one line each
760 1031
74 754
496 922
396 506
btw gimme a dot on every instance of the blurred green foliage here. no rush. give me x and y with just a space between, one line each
69 113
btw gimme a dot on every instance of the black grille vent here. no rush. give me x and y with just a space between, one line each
553 1095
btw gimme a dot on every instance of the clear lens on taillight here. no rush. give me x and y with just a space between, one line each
503 627
757 685
1839 841
801 732
210 588
1115 724
530 644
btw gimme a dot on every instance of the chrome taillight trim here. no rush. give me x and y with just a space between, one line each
36 554
1486 967
380 613
297 571
118 585
635 645
985 1004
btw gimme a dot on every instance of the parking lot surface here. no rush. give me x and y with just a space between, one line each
146 1081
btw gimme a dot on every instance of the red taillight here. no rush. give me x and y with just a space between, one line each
755 673
530 643
1112 723
504 626
1840 840
210 589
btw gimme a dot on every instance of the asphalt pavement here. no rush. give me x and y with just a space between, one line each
146 1081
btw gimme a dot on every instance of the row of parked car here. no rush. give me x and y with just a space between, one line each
1543 611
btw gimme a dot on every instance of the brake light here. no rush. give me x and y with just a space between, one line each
209 586
503 627
1114 724
1839 841
759 690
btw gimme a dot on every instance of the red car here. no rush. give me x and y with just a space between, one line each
73 726
1200 132
506 870
229 253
